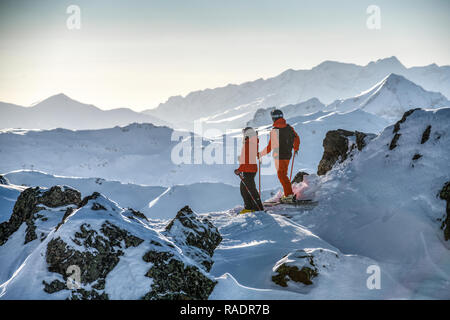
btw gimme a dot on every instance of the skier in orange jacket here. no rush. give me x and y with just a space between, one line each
247 170
283 139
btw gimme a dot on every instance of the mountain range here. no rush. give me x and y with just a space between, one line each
327 82
328 86
60 111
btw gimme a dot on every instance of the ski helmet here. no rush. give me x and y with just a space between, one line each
276 114
249 132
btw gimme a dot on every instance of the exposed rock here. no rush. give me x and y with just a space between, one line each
58 196
299 177
286 273
29 203
197 237
54 286
417 156
135 213
3 180
85 200
445 195
403 119
304 274
394 141
337 146
396 129
303 266
103 251
88 244
426 135
173 280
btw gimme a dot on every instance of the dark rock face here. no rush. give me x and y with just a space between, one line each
445 195
396 130
28 205
3 180
173 280
197 237
426 135
305 274
299 177
336 147
104 249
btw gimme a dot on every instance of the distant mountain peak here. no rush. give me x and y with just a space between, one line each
57 98
394 78
390 62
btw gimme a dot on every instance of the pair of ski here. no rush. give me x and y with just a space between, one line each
297 203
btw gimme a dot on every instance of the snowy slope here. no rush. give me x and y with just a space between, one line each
141 154
384 204
138 153
255 244
154 202
328 81
390 98
127 195
60 111
8 197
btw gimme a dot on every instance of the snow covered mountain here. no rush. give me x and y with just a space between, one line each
60 111
138 153
142 153
57 245
327 82
391 98
310 107
382 208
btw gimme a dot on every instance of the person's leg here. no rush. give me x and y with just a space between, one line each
249 178
282 172
248 203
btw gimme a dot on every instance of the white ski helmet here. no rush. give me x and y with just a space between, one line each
249 132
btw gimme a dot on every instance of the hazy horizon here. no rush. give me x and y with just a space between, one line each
139 53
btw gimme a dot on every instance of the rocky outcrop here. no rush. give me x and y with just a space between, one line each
197 237
92 235
299 177
445 195
3 180
302 266
174 280
396 130
338 144
30 202
100 254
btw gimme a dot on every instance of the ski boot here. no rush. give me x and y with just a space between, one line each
288 199
244 211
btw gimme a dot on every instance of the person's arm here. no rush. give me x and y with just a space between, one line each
267 149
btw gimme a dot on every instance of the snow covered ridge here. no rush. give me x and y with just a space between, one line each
327 82
388 202
392 97
60 111
58 246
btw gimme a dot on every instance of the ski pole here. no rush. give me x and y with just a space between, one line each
242 179
292 167
259 165
259 177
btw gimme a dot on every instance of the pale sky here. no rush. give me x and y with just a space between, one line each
137 53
